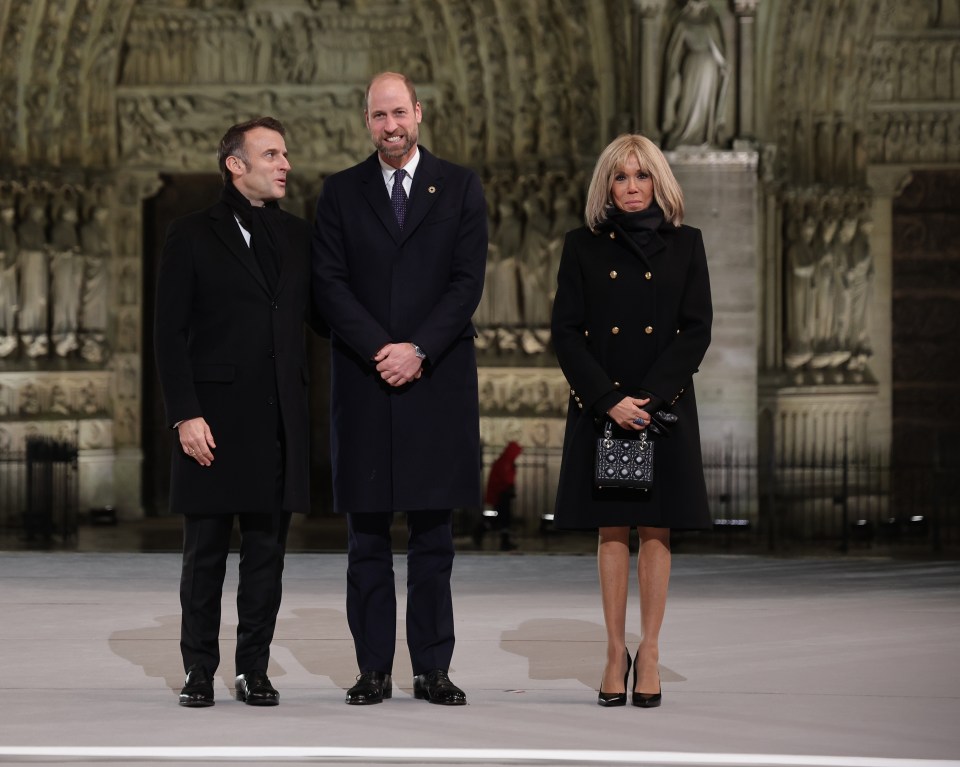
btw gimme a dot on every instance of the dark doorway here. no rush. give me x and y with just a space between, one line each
926 366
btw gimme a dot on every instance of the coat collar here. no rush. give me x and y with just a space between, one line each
653 246
426 189
228 230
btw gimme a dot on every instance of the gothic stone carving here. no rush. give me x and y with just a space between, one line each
828 272
53 271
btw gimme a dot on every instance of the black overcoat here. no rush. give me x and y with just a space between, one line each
232 351
623 324
418 446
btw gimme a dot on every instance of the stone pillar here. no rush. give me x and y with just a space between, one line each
133 188
886 182
720 189
746 12
645 67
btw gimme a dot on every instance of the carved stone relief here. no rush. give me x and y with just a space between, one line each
828 274
523 392
53 271
48 402
529 216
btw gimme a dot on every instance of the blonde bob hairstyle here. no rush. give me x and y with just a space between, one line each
666 190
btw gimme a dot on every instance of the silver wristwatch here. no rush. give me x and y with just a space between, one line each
418 351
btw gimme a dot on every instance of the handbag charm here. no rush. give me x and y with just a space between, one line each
624 461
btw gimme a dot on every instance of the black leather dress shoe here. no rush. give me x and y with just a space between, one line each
197 689
254 689
371 687
436 687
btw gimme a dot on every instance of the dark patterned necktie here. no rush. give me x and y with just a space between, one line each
398 197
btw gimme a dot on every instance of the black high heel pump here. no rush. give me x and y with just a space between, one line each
645 699
611 699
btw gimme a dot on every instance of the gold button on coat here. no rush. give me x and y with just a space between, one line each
648 275
613 274
614 330
648 330
613 236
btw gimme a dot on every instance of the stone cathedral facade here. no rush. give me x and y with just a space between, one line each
794 127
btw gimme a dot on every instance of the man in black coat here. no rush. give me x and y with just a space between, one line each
399 252
232 297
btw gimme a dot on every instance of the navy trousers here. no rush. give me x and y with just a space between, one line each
371 592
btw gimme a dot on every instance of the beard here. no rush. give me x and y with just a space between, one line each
399 149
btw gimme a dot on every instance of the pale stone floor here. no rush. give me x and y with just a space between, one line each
806 661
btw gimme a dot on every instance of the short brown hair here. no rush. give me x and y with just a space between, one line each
406 81
666 190
232 143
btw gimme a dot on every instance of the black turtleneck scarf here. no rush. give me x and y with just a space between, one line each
637 229
265 227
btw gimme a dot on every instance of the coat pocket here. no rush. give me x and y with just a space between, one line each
214 373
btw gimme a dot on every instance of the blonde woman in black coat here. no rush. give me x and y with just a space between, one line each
631 323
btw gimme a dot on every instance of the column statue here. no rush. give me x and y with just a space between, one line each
9 289
801 262
860 278
33 323
696 73
95 243
66 277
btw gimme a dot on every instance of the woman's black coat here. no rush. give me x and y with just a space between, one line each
625 324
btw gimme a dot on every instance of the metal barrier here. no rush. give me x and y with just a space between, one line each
829 501
38 490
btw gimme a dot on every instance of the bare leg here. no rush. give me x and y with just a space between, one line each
653 573
613 563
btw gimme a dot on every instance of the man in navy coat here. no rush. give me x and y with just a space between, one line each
232 297
399 252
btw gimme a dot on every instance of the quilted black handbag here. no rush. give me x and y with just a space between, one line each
624 461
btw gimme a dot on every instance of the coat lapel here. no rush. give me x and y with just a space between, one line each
228 230
426 189
375 192
427 185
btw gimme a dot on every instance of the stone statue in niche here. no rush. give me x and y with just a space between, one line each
529 218
696 75
859 283
66 275
843 281
825 273
9 289
95 243
801 262
34 290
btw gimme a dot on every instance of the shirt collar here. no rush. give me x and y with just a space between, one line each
410 167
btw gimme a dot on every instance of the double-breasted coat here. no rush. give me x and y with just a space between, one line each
625 324
231 350
413 447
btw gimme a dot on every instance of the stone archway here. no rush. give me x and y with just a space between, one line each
105 97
